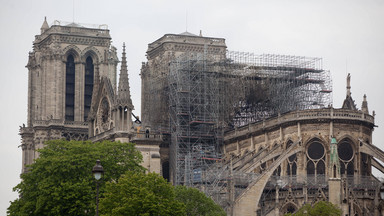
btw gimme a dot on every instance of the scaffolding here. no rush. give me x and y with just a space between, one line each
208 95
194 114
264 85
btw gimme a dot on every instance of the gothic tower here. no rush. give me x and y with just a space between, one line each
66 62
154 73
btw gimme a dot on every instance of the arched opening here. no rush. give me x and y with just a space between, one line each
364 165
291 161
346 156
277 171
88 86
294 169
320 169
70 89
316 159
310 168
350 169
289 208
165 169
334 171
345 150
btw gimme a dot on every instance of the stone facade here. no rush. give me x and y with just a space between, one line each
73 94
268 168
154 73
286 178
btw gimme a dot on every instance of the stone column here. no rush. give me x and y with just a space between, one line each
79 91
277 210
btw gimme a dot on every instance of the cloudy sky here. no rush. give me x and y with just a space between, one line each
347 34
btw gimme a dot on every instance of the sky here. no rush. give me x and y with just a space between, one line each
347 34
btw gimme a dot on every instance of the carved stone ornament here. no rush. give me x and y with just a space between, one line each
104 114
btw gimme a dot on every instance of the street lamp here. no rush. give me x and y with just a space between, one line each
97 173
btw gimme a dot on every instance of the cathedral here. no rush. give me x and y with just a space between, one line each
256 133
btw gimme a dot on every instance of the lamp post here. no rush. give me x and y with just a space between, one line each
97 173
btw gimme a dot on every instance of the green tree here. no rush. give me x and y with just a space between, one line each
60 182
140 194
321 208
197 203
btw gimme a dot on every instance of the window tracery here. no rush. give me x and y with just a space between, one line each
346 157
291 162
316 159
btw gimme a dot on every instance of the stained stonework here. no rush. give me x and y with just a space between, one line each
286 177
73 94
154 73
269 167
49 88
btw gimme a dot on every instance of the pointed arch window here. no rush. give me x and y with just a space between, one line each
70 89
88 86
316 160
291 162
346 157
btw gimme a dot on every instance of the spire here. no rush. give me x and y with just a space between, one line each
349 103
334 160
45 26
364 105
123 92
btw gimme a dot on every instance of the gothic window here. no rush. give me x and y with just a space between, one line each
320 170
88 86
346 156
277 171
290 209
316 159
310 168
364 164
70 89
291 162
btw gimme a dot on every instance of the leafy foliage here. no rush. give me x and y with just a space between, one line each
321 208
197 203
140 194
60 182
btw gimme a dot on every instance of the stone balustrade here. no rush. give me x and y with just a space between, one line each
182 38
59 122
74 30
302 115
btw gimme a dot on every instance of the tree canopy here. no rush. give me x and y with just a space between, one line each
197 203
150 194
321 208
60 182
140 194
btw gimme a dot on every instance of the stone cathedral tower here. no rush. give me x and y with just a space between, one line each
66 63
73 92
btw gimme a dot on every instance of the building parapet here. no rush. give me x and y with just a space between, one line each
59 122
74 29
147 136
303 115
316 181
179 38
